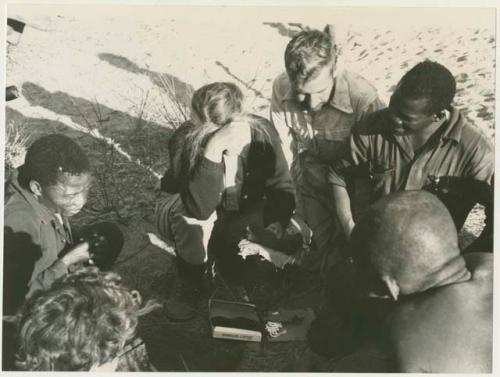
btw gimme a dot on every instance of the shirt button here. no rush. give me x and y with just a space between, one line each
245 196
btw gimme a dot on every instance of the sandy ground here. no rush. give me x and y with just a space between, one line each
99 74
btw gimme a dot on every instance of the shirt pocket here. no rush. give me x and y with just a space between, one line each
333 125
381 178
366 184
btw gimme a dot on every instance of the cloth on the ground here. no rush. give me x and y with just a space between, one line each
291 248
278 258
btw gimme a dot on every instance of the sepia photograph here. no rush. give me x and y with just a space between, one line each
248 188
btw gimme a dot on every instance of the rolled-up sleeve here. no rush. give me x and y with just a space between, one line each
481 166
278 117
357 154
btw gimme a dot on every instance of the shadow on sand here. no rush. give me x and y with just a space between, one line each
147 142
182 90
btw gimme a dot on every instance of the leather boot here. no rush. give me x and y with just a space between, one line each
183 302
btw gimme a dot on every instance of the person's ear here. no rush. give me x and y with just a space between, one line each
35 187
392 286
136 297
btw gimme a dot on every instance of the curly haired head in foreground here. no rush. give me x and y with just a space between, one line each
81 322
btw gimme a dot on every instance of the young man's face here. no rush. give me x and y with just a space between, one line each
316 91
68 196
409 116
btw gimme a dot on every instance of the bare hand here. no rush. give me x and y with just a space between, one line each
277 229
79 253
302 135
230 139
237 136
348 229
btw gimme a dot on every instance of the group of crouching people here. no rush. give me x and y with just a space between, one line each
383 190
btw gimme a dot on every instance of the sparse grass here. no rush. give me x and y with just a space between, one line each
123 192
122 179
175 107
140 109
16 142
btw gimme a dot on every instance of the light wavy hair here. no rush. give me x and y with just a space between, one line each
82 321
214 106
308 53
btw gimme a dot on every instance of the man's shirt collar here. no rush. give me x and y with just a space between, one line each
455 126
45 215
341 99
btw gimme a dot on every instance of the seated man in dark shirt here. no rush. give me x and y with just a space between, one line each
39 246
420 141
405 249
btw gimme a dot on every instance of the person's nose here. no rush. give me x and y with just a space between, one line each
79 201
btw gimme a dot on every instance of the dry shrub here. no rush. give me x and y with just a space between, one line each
175 107
16 142
124 179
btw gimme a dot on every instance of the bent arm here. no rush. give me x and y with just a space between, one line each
204 189
173 179
343 209
280 190
278 120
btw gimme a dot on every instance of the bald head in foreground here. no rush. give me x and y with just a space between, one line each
405 248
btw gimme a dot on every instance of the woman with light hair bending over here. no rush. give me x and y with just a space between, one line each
227 170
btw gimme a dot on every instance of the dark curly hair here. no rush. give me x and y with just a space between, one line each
83 320
429 80
307 53
51 156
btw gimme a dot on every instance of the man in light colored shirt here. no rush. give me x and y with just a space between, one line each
314 106
419 141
